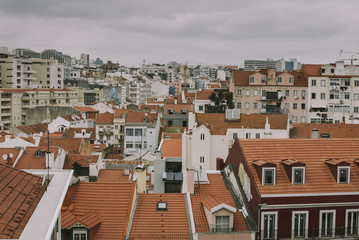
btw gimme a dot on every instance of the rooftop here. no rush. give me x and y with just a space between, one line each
171 148
303 130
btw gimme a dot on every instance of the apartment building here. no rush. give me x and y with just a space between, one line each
15 102
269 91
333 90
30 73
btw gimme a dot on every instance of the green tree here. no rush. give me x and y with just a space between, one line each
229 100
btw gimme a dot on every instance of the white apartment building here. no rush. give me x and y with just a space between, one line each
15 102
213 134
333 92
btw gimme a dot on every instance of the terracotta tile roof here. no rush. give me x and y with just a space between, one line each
82 160
218 125
120 112
70 118
312 69
111 202
215 189
20 193
97 147
68 219
177 108
70 133
171 136
241 78
213 85
171 148
303 130
29 160
113 175
152 101
35 128
8 152
189 94
56 134
151 223
150 107
224 84
138 117
105 118
85 109
203 95
313 153
72 145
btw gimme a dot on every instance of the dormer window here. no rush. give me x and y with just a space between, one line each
251 79
222 223
263 79
39 153
268 177
291 79
343 175
298 175
161 206
279 79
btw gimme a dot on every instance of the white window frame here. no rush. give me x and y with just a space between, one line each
275 223
255 92
202 136
247 92
75 231
274 175
321 220
306 222
248 135
239 92
227 217
346 221
338 175
323 83
303 180
201 159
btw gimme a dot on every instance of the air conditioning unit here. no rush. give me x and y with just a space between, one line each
296 97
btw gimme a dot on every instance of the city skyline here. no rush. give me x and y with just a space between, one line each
198 32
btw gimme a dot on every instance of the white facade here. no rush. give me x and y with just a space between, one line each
159 89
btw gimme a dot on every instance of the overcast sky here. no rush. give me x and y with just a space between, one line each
197 31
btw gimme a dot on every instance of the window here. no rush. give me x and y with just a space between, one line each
291 79
239 92
264 93
356 83
303 93
327 223
295 106
248 135
286 92
201 159
269 225
222 223
298 175
121 128
80 235
251 79
294 119
129 144
345 82
352 222
263 80
170 123
302 119
239 105
247 92
356 96
314 95
303 105
343 175
334 95
116 126
255 92
314 82
295 93
138 132
286 106
258 135
323 83
200 108
255 105
268 177
138 145
344 95
247 105
235 135
323 70
356 109
202 136
129 132
300 224
279 79
322 96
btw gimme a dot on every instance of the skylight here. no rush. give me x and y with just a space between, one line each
161 206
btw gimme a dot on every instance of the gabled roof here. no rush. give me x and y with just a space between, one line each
72 145
111 202
90 220
20 193
34 128
85 109
216 189
203 95
28 159
171 148
139 117
177 108
70 133
303 130
105 118
213 204
6 153
314 153
151 223
218 125
241 78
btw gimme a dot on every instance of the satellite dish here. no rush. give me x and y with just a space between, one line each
11 155
4 157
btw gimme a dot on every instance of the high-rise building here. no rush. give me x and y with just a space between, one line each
25 53
252 65
53 54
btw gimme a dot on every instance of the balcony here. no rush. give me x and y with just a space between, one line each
272 96
25 98
29 78
172 176
5 105
29 71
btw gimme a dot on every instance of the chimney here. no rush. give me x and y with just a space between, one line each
220 163
141 179
190 180
314 133
50 162
9 160
93 172
267 125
